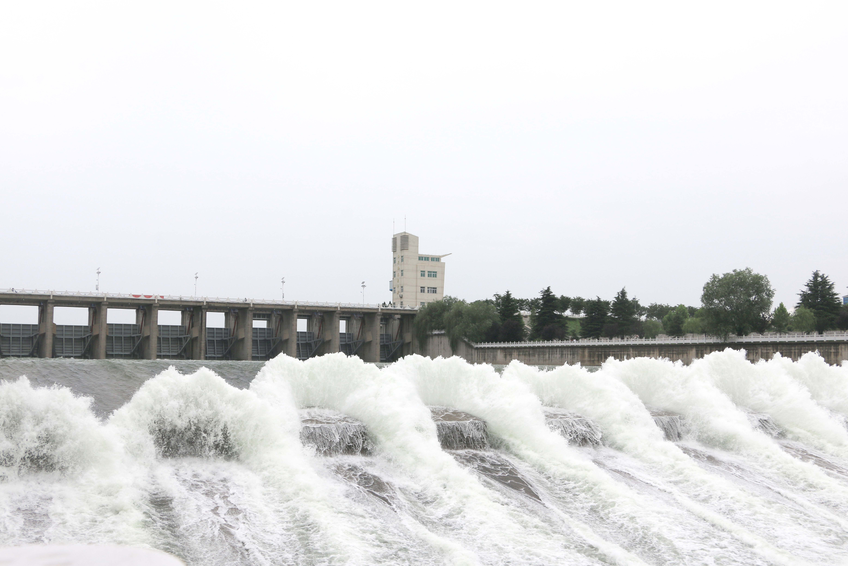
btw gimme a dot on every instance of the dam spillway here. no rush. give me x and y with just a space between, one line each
252 329
335 461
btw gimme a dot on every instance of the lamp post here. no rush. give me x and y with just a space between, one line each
97 288
363 292
195 284
283 287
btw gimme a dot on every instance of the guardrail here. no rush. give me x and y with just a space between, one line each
157 298
828 336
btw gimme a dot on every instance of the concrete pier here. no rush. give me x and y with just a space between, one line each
193 339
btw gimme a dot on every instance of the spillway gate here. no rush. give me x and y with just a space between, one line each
252 330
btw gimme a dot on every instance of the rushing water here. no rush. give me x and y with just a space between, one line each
334 461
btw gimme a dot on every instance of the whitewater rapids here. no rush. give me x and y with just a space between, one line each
334 461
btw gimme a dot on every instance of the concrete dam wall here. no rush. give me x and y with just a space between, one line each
832 346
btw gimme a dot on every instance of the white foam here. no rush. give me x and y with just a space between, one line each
474 523
61 471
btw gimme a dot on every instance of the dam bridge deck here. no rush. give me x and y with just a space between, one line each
253 329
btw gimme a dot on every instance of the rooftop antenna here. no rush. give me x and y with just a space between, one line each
195 283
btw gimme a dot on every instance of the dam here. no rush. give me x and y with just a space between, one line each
252 330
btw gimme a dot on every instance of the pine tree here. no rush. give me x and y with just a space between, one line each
548 324
780 318
511 322
623 314
596 312
820 296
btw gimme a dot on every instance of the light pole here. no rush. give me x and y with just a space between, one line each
363 292
97 288
283 287
195 284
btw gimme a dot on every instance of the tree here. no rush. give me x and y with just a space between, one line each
674 321
780 318
564 304
470 322
657 311
597 311
623 314
548 324
820 296
511 327
652 328
842 318
802 320
737 302
431 317
577 305
694 325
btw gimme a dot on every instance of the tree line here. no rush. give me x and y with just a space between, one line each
739 302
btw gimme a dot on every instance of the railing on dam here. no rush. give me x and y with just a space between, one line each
689 339
202 300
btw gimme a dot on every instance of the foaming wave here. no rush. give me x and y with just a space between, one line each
516 419
465 521
628 425
201 416
768 388
827 384
62 471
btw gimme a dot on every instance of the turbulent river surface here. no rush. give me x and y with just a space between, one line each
334 461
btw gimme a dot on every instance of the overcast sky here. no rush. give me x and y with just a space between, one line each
585 146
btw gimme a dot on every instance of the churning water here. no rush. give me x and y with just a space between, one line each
334 461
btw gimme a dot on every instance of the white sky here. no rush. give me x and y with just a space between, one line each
585 146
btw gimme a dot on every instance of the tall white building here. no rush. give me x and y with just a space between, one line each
417 278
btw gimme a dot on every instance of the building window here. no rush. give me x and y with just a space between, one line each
422 273
401 288
401 259
422 290
431 290
401 272
394 273
432 274
435 259
394 260
422 303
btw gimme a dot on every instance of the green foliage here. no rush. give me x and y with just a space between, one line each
431 317
597 312
623 317
842 318
737 302
657 311
511 324
694 325
652 328
820 296
469 321
577 305
573 328
780 318
512 331
674 321
548 323
803 320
